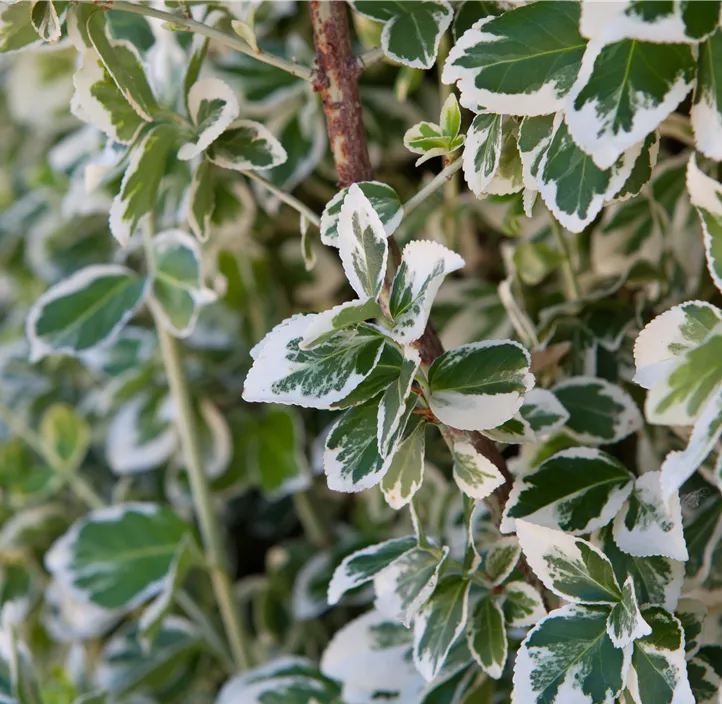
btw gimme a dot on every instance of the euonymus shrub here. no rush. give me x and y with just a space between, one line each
237 464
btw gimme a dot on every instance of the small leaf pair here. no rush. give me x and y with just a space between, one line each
430 140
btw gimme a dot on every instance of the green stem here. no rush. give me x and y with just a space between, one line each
286 198
78 484
229 40
312 524
432 186
570 278
208 522
369 58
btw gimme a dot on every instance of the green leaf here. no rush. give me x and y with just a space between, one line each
706 112
570 567
573 187
117 557
424 265
393 404
482 151
45 20
501 559
514 432
543 411
123 63
406 471
405 585
659 670
428 139
84 311
480 385
439 623
576 490
569 657
177 291
450 121
648 525
98 101
412 30
282 372
136 198
691 614
706 194
622 93
212 106
383 199
643 167
704 672
340 317
16 30
600 413
486 635
363 565
351 460
246 146
65 436
523 605
625 623
475 474
362 244
202 201
521 63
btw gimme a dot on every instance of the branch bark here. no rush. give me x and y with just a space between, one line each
336 80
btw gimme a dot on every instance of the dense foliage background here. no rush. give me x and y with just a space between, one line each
237 464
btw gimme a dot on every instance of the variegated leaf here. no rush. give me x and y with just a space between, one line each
706 195
246 146
523 605
406 472
501 558
486 635
325 325
625 623
543 411
476 475
706 112
392 407
482 151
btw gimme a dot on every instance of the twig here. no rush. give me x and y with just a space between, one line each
570 277
432 186
369 58
287 198
229 40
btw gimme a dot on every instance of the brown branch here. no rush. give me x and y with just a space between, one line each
336 80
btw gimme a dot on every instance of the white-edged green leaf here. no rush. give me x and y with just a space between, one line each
486 636
648 525
213 106
439 623
659 671
246 146
657 579
706 195
706 112
450 120
622 93
405 585
84 311
509 175
393 403
363 565
543 411
123 63
177 291
98 101
406 471
514 432
429 140
137 196
705 675
662 22
202 201
576 490
669 335
568 657
600 413
523 605
351 459
480 385
535 136
384 200
65 435
117 557
45 20
362 244
501 558
412 30
573 187
284 373
475 475
370 655
680 465
521 63
643 168
482 151
16 30
424 264
691 614
570 567
140 434
625 623
325 325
